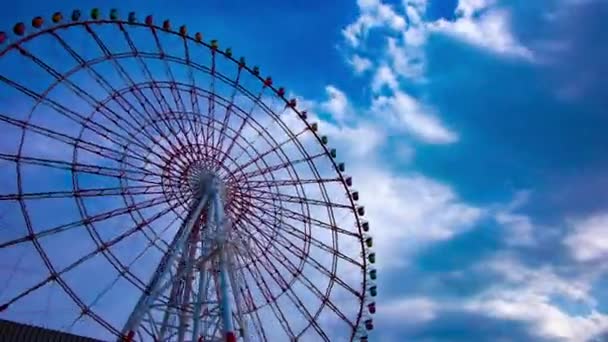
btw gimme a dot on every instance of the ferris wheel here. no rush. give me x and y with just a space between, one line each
154 186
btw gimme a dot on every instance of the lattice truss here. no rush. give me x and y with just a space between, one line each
150 180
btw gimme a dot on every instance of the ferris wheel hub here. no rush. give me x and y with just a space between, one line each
203 181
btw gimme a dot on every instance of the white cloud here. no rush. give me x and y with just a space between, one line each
549 320
478 22
360 64
519 227
357 137
520 230
384 76
589 239
527 294
404 57
540 281
415 118
407 60
336 104
407 212
373 14
359 141
489 30
468 8
424 309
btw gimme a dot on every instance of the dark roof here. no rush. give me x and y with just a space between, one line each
18 332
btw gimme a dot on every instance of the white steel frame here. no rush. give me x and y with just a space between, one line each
189 295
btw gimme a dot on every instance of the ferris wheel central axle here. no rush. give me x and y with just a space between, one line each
197 247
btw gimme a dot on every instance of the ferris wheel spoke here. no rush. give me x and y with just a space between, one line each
101 81
14 269
102 151
157 91
194 105
286 164
56 276
158 96
177 98
265 184
152 84
270 196
85 221
266 292
275 119
258 326
77 90
80 167
300 253
95 127
282 258
278 278
92 192
179 102
252 141
120 275
250 305
294 215
207 135
244 122
279 146
307 238
220 142
104 249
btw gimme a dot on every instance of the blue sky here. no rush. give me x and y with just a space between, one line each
475 133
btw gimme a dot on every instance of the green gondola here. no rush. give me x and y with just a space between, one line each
95 13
